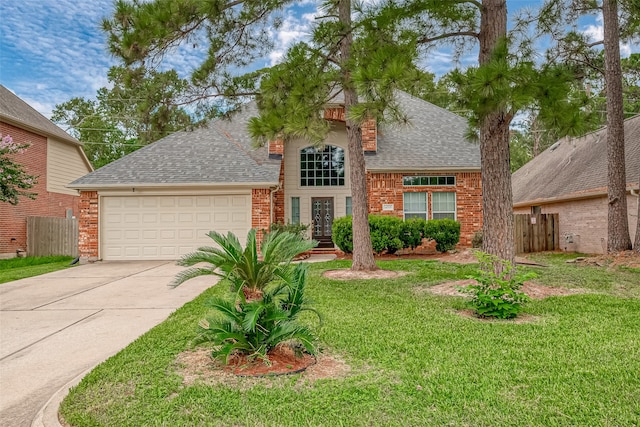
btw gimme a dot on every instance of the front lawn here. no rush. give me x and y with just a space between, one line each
413 359
20 268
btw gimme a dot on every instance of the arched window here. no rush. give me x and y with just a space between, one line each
322 167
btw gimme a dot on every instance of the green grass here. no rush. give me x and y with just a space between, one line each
414 361
20 268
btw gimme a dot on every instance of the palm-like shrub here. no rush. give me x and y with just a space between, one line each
246 269
256 327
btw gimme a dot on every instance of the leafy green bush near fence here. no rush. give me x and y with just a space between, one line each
390 233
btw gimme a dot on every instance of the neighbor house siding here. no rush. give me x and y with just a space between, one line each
388 189
13 219
583 223
65 163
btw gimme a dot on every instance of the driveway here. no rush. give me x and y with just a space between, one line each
57 326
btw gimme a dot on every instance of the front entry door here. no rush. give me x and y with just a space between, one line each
322 213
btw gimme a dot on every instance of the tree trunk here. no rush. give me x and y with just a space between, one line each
618 222
362 249
497 199
636 245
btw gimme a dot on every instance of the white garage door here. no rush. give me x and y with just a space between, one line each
167 227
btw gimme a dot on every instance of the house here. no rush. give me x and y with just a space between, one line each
160 201
570 179
54 157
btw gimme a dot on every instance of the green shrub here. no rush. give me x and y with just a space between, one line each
496 295
412 232
445 232
385 233
299 229
342 234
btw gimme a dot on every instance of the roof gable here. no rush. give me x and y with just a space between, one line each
575 167
14 110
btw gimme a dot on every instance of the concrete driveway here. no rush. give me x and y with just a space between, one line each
56 327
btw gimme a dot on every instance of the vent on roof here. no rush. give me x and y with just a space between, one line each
554 146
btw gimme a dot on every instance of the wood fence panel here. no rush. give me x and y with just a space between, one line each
536 233
48 236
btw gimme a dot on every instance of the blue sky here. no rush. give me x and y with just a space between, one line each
54 50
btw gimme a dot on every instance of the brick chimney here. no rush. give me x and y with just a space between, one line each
369 137
276 148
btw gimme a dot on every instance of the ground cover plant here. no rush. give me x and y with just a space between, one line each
21 268
414 360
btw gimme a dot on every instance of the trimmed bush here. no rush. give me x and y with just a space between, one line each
446 233
412 232
476 242
385 233
342 234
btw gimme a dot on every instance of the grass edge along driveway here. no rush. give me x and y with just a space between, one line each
414 361
20 268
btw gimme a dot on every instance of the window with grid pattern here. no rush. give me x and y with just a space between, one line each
415 205
322 167
443 205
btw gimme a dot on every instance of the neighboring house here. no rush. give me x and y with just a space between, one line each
160 201
54 157
570 179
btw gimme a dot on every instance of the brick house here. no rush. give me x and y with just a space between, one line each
54 157
160 201
570 179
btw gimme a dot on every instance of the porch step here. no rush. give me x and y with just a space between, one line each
324 251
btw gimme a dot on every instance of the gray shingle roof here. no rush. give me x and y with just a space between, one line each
218 153
222 152
16 111
575 167
434 139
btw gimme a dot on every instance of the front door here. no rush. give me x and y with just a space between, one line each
322 213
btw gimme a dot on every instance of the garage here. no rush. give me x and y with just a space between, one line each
167 227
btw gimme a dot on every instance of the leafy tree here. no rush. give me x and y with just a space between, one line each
621 20
505 82
142 106
14 181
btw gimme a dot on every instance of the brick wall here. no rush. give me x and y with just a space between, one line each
13 219
583 223
276 147
88 226
260 210
369 136
278 199
387 188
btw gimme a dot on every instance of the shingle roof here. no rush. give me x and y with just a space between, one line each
218 153
222 152
15 110
434 139
575 167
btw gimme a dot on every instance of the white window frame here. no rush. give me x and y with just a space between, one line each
426 205
455 205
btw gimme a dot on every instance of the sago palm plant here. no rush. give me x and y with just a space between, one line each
254 328
248 270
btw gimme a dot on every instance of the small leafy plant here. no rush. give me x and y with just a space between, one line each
254 328
496 294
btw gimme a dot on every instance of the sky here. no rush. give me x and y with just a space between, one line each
54 50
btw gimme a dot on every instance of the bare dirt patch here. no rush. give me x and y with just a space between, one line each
464 256
629 259
346 274
534 290
197 366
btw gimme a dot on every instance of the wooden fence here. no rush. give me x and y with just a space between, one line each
536 233
52 236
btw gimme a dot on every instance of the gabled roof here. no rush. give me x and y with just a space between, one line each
575 168
218 153
434 139
222 152
17 112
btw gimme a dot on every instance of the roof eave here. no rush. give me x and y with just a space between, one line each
35 129
427 169
164 185
582 195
